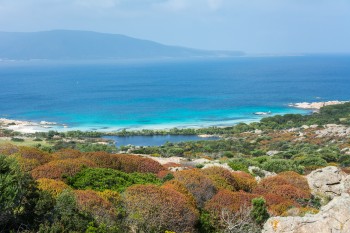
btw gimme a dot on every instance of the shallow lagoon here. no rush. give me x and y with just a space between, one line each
156 140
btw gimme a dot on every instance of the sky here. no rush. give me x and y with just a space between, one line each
253 26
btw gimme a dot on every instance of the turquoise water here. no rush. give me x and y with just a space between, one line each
112 95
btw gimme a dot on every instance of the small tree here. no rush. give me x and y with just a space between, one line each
259 211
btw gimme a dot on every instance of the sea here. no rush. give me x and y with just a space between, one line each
112 95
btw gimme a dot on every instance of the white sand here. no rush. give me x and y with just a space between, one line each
28 126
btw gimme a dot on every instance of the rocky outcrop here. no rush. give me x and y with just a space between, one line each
333 130
260 173
328 182
332 218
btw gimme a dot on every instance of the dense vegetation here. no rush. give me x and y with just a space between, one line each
83 186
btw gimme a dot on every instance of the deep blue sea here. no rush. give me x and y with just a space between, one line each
111 95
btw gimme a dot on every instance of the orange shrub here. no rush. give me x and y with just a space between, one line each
66 154
104 159
221 177
245 181
157 209
296 180
271 182
58 168
25 164
277 205
133 163
285 186
90 202
228 200
171 164
181 188
33 153
291 192
125 163
283 191
54 187
201 187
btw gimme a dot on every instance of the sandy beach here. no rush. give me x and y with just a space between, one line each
29 126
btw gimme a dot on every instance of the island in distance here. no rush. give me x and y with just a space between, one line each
82 45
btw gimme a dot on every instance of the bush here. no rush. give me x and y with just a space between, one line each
199 185
281 165
259 211
90 202
54 187
17 139
150 208
104 178
244 181
59 169
221 177
312 161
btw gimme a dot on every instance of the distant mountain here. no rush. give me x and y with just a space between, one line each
66 44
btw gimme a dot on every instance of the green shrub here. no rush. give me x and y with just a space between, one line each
259 211
104 178
281 165
313 161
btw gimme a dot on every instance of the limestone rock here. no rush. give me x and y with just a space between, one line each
223 165
332 218
260 173
328 182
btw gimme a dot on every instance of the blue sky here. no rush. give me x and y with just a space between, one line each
254 26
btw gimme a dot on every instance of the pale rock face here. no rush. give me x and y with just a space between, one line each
223 165
264 173
332 218
328 182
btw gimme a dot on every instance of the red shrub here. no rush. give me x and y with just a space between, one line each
58 168
171 164
33 153
245 181
181 188
104 159
277 205
296 180
201 187
231 201
126 163
90 202
67 154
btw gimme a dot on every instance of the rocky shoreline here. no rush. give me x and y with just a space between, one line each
316 105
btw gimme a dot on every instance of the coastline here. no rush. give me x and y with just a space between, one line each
30 127
316 106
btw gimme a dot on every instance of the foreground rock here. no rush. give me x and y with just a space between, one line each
332 218
328 182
